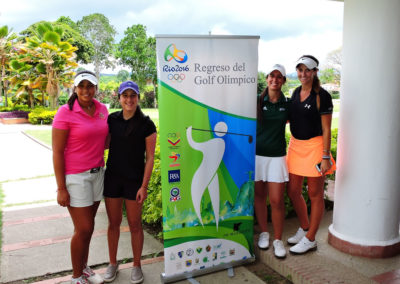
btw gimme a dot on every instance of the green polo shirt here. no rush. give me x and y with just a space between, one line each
271 140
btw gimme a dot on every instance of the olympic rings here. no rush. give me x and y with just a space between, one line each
176 77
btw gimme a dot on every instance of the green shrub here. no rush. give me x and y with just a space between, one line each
41 116
63 99
152 207
335 95
16 107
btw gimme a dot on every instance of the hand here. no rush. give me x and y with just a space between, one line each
141 195
325 166
63 197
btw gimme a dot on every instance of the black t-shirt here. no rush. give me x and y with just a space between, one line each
128 145
305 119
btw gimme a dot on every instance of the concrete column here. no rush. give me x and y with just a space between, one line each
366 213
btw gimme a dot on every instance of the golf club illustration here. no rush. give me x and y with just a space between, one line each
206 175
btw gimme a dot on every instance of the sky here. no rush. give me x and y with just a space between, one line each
287 28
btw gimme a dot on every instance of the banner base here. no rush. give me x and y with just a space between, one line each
191 274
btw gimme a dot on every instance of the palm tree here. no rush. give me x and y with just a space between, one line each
56 59
43 62
6 42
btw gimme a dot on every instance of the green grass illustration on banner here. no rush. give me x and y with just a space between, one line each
180 222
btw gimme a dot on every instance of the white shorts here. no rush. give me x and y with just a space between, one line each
271 169
85 188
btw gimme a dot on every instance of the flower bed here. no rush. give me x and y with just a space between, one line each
14 117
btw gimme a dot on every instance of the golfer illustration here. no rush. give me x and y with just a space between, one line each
206 175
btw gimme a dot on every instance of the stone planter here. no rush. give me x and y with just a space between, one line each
16 120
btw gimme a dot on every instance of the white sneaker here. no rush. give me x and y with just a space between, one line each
91 276
297 237
79 280
303 246
263 240
279 249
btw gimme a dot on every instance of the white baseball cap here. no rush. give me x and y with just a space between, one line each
85 76
278 67
308 62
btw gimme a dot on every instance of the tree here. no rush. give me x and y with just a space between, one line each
261 82
334 62
122 75
138 51
327 76
71 33
53 60
97 29
6 43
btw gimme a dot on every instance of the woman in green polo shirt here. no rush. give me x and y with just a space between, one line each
271 169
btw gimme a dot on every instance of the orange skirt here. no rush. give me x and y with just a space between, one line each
303 155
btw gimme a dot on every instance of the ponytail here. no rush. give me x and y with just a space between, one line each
316 84
71 100
260 104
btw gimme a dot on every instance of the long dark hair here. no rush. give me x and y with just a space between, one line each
260 104
74 95
316 84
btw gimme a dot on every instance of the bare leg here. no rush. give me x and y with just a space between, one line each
114 213
260 204
83 219
299 204
316 194
275 191
134 214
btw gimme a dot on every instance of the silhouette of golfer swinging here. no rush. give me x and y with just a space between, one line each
206 175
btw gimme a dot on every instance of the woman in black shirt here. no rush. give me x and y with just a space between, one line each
129 167
309 156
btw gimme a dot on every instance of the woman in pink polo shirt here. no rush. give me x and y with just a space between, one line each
79 135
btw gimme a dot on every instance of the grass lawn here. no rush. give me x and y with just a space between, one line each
42 135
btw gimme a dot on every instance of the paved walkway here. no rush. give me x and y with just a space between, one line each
35 237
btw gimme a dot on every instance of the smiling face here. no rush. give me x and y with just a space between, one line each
85 91
305 75
129 100
275 80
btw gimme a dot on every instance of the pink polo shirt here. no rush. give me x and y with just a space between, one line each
86 138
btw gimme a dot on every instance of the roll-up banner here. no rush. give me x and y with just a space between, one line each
207 88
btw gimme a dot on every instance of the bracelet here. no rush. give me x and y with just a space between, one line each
61 189
326 151
326 157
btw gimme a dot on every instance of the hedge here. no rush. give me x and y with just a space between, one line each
41 116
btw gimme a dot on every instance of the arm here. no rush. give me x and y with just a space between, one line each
326 120
108 139
59 140
148 168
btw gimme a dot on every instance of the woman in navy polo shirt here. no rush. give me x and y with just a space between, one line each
309 151
271 170
129 167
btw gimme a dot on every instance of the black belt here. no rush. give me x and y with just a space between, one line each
95 170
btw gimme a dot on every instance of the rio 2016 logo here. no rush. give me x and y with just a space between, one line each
171 52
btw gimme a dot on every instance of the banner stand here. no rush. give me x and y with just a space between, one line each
207 89
194 273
